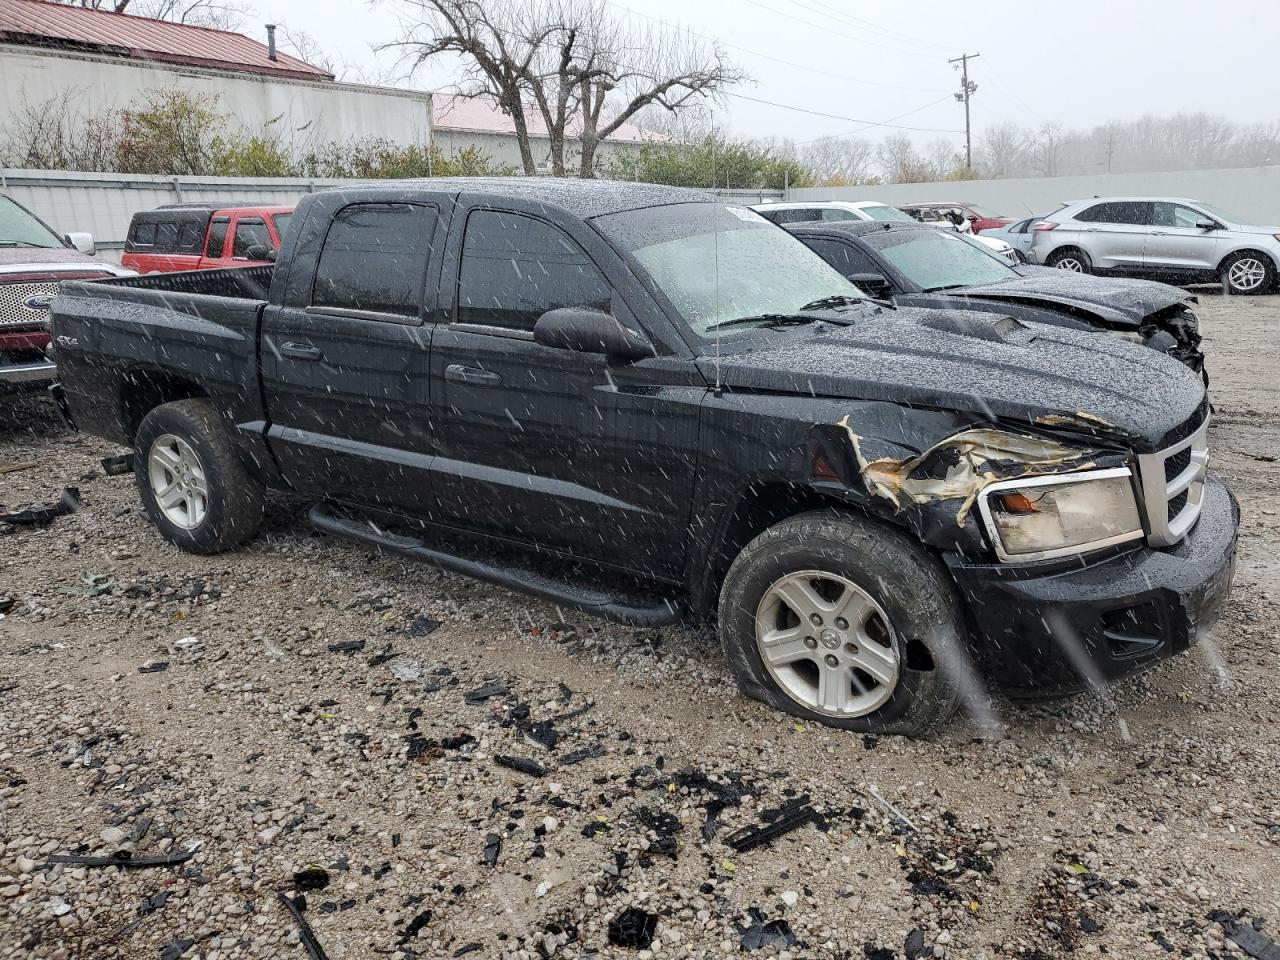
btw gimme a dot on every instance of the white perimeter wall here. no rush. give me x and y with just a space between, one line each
300 112
1251 193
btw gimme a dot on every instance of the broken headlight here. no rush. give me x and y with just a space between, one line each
1038 518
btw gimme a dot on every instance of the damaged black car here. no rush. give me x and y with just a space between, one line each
647 404
916 265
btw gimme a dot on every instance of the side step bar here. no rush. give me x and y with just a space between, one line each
594 602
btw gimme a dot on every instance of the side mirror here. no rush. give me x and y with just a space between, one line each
873 283
588 330
82 242
1207 225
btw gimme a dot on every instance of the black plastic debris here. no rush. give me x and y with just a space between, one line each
156 666
153 903
305 935
175 948
422 626
311 877
7 603
378 659
764 933
583 753
346 646
915 947
118 466
871 951
1247 936
414 925
480 694
541 734
123 858
633 928
748 838
492 847
520 765
466 948
43 516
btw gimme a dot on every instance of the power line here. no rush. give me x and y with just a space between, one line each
827 29
882 123
836 116
768 56
877 29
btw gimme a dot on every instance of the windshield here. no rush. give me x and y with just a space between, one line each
937 259
20 229
885 212
718 263
985 212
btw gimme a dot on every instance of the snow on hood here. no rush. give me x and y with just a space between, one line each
53 259
1133 299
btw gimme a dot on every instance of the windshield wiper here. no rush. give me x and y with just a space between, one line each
23 243
765 319
839 300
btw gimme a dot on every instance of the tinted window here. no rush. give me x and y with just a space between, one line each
189 236
845 257
794 215
937 259
375 258
250 233
144 234
217 238
833 213
1118 211
282 223
167 235
516 268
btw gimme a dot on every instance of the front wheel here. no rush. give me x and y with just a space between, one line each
1245 274
847 622
194 487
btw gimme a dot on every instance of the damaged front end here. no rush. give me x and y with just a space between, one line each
1175 330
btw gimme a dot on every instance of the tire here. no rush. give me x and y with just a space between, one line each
1019 257
1247 274
913 617
183 449
1070 258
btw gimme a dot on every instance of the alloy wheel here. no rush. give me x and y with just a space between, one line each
1247 273
1070 263
827 643
178 481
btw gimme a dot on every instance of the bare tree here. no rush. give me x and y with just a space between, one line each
839 161
1001 150
942 159
575 64
897 157
1047 148
218 14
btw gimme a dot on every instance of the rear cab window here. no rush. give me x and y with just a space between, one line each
373 262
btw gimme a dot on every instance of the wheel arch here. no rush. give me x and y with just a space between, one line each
1246 248
143 389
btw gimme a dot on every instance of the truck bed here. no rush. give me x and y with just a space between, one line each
245 283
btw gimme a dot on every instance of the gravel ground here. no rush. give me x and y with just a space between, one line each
267 744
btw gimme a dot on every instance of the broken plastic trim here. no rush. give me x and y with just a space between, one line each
973 459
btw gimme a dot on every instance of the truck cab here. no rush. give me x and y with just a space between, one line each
182 237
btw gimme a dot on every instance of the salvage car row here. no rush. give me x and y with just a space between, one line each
644 403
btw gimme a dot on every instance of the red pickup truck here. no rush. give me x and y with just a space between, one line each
203 237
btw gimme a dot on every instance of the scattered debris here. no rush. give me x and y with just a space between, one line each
1247 936
764 933
633 928
175 949
119 466
416 924
520 765
123 858
92 585
480 694
311 877
583 753
492 847
346 646
466 948
748 838
155 666
541 735
915 948
421 627
16 467
295 906
43 516
901 817
7 604
405 670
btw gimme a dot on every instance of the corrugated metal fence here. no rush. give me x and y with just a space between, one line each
103 203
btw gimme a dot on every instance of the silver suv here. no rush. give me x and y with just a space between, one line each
1166 238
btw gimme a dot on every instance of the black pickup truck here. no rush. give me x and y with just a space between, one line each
646 404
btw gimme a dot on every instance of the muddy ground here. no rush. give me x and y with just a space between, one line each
1112 826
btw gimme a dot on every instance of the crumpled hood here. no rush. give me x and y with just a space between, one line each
977 362
1119 300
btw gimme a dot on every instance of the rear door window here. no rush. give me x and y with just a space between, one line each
374 259
250 233
1167 214
217 238
1117 211
515 268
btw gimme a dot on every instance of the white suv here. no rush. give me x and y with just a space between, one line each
799 211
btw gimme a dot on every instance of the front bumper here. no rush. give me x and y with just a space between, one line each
1043 632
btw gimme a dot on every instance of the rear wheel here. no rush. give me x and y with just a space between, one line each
1073 259
1247 273
194 487
846 622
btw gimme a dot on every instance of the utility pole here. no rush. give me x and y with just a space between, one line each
967 90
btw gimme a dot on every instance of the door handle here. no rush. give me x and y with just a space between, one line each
1159 233
301 351
473 376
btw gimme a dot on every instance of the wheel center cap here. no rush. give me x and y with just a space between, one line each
830 639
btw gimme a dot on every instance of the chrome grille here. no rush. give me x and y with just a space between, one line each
13 302
1173 486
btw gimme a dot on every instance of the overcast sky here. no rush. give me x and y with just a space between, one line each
1081 62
